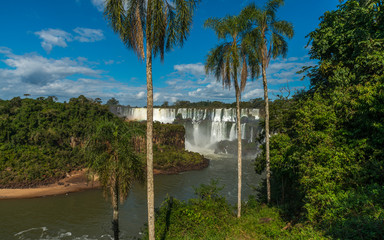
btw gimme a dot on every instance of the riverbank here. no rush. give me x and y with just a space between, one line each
74 182
77 181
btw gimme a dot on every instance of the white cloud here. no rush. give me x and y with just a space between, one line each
255 93
64 78
57 37
156 97
5 50
37 70
88 34
53 37
99 4
196 69
109 62
189 82
71 77
293 59
140 95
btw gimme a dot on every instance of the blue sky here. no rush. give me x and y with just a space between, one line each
65 48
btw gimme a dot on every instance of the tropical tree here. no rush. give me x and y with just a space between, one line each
149 28
269 38
230 62
115 163
113 102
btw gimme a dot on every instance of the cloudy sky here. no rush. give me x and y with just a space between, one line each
65 48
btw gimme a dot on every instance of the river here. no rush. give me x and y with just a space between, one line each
87 215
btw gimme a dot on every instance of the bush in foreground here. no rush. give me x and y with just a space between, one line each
210 216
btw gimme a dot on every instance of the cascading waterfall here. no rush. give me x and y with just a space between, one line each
204 127
232 133
251 139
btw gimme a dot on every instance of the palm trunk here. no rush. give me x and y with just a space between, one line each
115 203
239 169
150 190
267 134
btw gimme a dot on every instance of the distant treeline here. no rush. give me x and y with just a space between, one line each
253 103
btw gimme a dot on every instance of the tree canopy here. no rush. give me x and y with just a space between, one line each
327 157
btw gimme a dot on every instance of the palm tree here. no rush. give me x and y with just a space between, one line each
229 61
115 163
149 28
268 34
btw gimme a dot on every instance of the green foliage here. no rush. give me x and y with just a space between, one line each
327 156
112 102
162 24
208 217
234 56
210 191
40 138
168 157
112 157
169 147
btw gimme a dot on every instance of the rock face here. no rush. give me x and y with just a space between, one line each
164 134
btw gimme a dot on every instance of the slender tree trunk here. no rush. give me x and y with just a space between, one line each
239 169
266 101
150 188
115 203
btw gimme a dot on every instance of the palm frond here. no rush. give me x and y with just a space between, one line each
112 157
114 13
283 28
158 28
271 7
172 29
279 46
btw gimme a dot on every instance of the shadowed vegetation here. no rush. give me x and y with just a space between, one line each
327 154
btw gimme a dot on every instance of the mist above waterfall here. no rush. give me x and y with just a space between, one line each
204 127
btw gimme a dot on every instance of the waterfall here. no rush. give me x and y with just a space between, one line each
203 126
232 133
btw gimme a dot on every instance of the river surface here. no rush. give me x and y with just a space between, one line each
87 215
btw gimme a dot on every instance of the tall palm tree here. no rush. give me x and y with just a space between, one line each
149 28
115 163
230 61
269 36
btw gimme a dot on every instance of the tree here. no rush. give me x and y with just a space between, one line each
98 100
228 62
150 28
115 163
165 104
113 102
329 148
268 34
